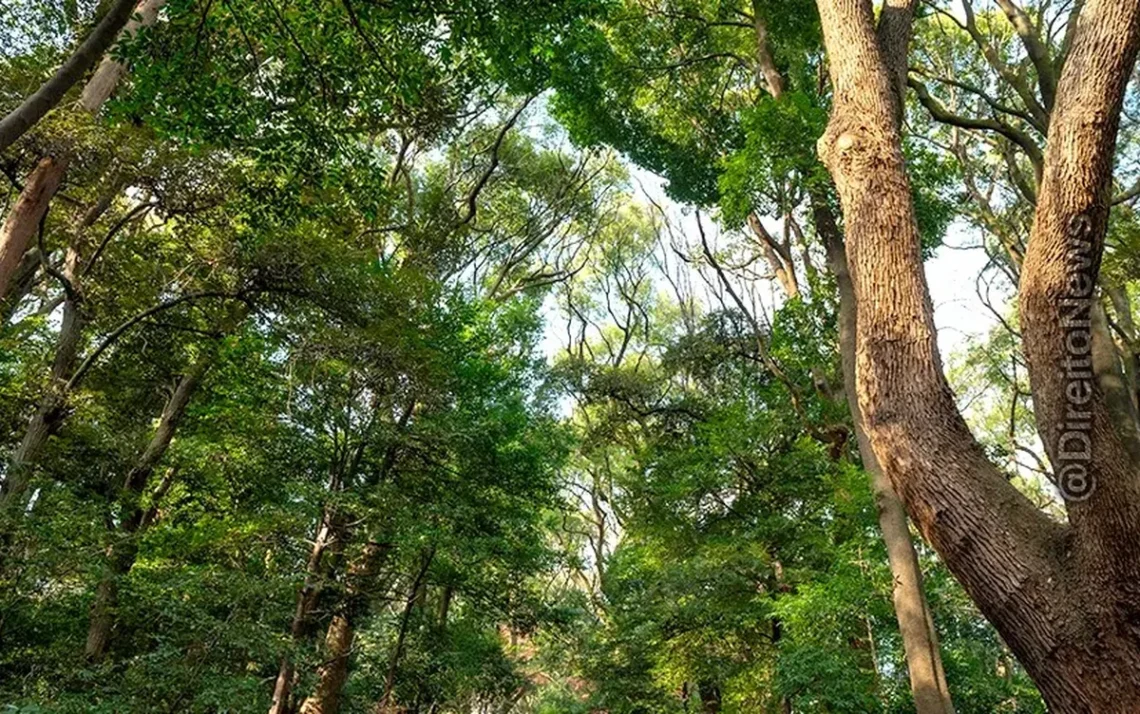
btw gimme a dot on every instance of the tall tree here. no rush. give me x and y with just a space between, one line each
724 111
1026 572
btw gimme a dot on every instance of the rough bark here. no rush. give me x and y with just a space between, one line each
1063 600
894 32
122 553
1064 333
916 624
23 221
51 92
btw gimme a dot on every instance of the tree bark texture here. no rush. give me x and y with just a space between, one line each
23 220
333 671
916 626
1064 599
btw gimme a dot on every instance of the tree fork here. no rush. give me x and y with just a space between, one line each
1028 574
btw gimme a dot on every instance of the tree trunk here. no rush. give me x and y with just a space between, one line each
23 221
778 256
333 671
330 535
23 279
121 555
386 705
710 697
106 77
916 625
1064 599
35 107
52 407
1129 342
766 69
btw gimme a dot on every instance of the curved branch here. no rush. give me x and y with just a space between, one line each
119 331
941 114
486 175
1035 48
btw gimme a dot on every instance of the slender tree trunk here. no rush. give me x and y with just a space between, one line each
916 626
386 704
778 256
330 535
445 606
35 107
1129 342
52 407
121 555
766 68
1065 599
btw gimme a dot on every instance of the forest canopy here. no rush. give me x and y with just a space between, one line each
573 357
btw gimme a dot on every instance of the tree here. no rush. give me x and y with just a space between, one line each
1011 558
748 93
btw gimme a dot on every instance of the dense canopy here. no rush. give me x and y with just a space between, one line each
569 357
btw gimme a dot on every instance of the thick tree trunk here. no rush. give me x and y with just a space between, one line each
1062 599
916 625
121 555
35 107
23 221
333 671
1086 421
